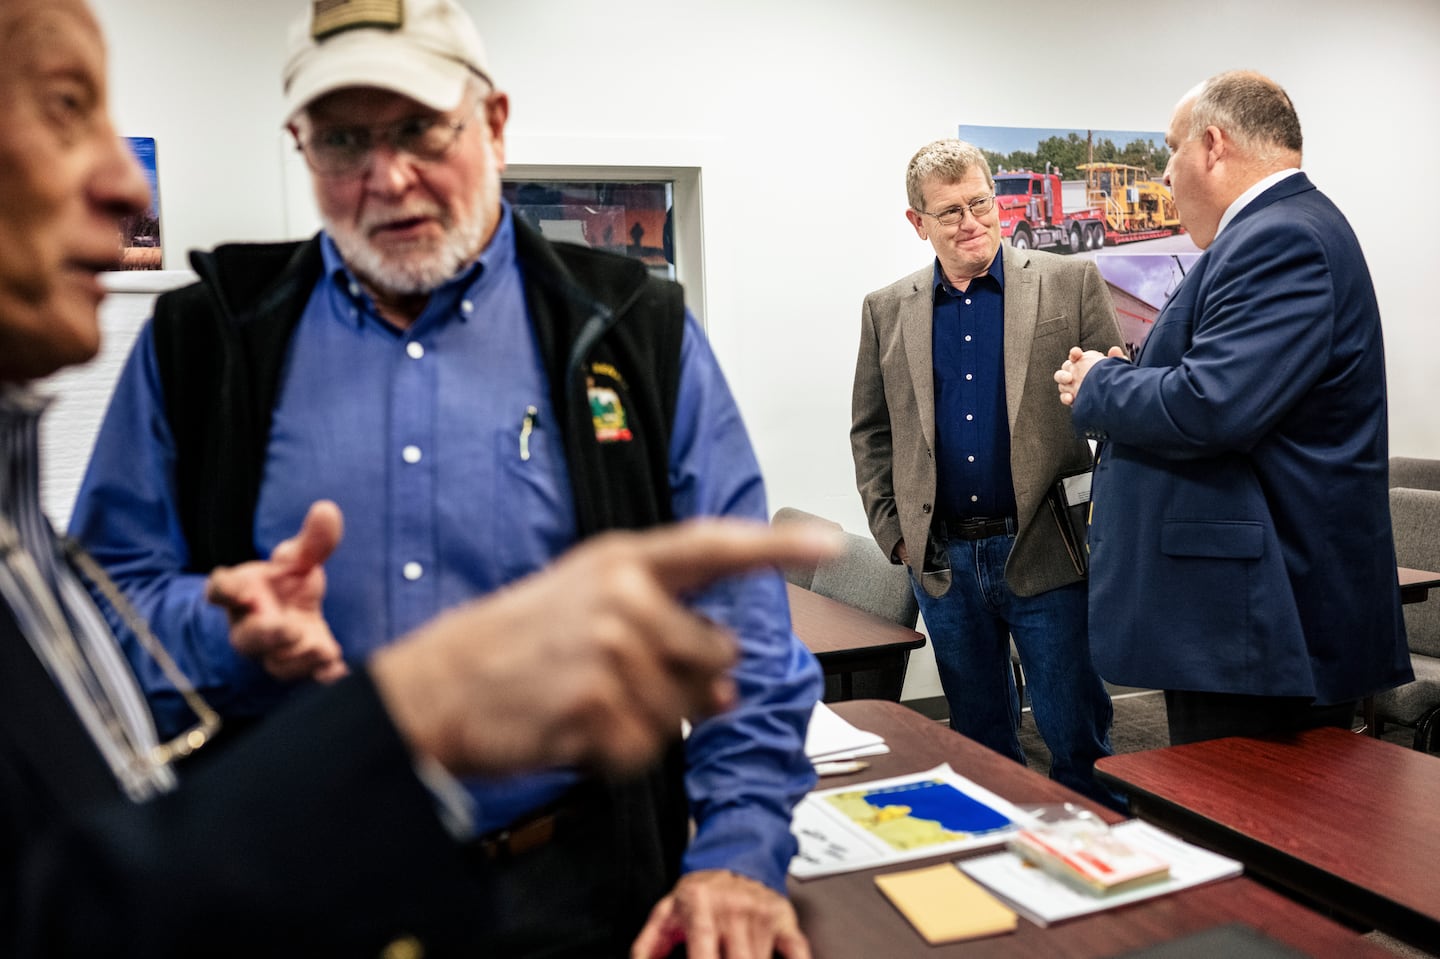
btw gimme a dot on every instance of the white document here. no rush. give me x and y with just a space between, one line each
1077 488
896 820
1043 899
829 738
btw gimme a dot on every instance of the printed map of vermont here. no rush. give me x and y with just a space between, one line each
918 814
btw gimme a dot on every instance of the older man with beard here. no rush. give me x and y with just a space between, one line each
429 363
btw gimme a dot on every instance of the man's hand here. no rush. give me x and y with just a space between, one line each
722 915
593 660
1072 372
274 604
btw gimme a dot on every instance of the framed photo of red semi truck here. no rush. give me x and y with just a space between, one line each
1098 194
1080 191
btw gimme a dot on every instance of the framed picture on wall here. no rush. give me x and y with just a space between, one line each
1079 190
634 218
140 233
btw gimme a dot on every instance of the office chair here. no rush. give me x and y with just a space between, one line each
861 576
800 576
1415 516
1414 473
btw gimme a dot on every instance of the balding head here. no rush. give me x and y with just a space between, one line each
1253 111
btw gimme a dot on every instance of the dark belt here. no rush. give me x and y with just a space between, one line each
975 527
525 835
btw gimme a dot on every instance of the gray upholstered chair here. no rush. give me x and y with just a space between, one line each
801 576
1415 516
1413 473
861 576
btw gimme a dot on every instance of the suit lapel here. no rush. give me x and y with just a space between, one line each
39 724
1022 310
916 316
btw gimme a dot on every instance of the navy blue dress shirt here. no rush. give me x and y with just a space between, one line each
972 426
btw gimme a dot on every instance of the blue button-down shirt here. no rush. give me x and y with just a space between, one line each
416 434
972 426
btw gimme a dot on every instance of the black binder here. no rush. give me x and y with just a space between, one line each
1069 501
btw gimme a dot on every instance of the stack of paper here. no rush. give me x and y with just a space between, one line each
1043 899
1091 858
830 738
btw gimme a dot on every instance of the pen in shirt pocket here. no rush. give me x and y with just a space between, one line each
527 426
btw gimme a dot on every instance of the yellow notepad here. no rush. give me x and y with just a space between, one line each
945 905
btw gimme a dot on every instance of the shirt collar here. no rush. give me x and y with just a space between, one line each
21 400
497 257
996 272
1249 196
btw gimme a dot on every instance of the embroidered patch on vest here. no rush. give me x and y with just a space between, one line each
604 386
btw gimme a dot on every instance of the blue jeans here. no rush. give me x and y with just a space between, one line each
970 629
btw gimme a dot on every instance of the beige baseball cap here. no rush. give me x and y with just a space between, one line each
422 49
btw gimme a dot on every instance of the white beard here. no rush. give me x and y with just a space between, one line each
416 271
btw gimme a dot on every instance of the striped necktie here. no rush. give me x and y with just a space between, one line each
59 619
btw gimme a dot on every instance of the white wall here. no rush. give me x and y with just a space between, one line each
802 115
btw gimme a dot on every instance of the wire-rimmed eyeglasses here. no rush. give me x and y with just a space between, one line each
978 207
349 150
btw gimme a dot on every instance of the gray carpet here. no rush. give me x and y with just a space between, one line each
1139 724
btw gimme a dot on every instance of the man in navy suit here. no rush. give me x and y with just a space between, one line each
1241 550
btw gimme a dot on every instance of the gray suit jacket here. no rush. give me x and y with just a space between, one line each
1051 304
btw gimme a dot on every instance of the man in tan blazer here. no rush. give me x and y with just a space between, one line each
958 437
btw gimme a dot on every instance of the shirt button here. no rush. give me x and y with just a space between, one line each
970 458
467 307
967 301
354 289
967 337
969 416
412 571
411 454
974 499
969 376
414 350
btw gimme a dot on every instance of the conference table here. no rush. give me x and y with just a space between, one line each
1344 821
847 641
846 917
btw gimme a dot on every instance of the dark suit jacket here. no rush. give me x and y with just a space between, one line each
1051 304
1240 537
311 836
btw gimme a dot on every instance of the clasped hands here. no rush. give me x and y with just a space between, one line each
1072 372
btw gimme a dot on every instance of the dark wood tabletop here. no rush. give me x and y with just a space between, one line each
1346 821
846 917
849 641
829 628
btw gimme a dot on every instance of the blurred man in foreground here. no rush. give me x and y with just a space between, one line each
331 831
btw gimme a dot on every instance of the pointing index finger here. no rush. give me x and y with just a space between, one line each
698 552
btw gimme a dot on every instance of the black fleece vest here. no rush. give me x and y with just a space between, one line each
221 346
